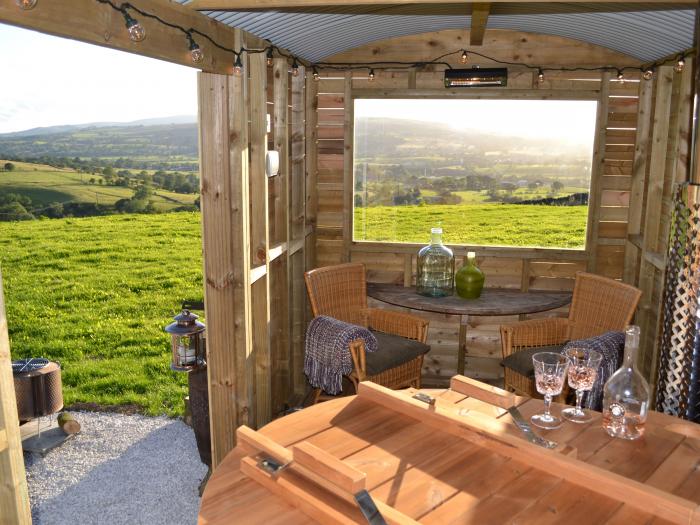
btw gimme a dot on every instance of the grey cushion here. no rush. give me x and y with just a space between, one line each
521 361
393 350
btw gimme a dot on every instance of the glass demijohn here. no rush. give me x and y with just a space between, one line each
436 267
626 394
469 280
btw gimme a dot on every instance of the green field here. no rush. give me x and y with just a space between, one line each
46 184
95 293
480 224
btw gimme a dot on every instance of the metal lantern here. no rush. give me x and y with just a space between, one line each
187 341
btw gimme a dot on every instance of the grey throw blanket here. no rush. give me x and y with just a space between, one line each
611 345
327 356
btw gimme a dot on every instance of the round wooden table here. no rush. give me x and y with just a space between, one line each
437 474
493 302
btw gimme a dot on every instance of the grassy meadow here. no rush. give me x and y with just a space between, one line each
480 224
95 293
46 184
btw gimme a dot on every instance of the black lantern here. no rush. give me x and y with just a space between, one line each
187 341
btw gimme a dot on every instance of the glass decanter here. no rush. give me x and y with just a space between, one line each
436 267
469 280
626 394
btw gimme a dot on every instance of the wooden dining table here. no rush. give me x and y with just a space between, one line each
454 457
492 302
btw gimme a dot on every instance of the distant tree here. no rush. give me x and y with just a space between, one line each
14 211
557 186
508 187
9 166
92 180
100 181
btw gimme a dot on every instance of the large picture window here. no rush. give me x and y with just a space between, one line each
489 172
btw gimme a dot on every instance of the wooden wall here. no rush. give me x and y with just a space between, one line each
661 161
254 237
525 269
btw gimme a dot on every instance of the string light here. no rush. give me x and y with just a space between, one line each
26 5
136 31
371 75
680 64
317 77
196 53
238 66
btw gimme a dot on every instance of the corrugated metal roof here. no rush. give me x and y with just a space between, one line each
314 34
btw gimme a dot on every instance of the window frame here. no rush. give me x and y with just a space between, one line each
592 219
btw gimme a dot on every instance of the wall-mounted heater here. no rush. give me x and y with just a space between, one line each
476 77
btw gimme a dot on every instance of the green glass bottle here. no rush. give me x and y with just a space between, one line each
469 280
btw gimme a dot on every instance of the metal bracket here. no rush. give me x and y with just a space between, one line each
425 398
271 466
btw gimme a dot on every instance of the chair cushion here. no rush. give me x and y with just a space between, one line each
521 361
392 351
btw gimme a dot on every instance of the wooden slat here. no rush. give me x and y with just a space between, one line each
594 201
348 202
14 498
259 237
483 392
225 221
490 434
297 218
329 467
480 17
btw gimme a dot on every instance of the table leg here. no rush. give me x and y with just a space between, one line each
462 351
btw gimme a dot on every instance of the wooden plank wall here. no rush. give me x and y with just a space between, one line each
254 235
661 161
504 267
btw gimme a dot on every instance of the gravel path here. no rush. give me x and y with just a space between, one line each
119 469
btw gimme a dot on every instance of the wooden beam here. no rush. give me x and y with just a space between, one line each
225 237
260 239
597 170
205 5
95 23
279 283
348 168
480 17
14 498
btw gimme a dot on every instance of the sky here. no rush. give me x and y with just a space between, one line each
48 81
569 120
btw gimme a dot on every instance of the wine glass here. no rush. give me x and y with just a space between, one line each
583 370
550 371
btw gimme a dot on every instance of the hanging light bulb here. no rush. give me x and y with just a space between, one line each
620 76
136 31
295 68
680 64
463 59
648 74
196 53
540 75
270 56
26 5
317 77
371 75
238 66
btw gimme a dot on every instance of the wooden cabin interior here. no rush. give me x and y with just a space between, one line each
261 234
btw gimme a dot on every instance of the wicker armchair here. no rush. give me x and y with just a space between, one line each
598 305
341 292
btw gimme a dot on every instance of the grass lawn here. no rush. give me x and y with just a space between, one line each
480 224
95 293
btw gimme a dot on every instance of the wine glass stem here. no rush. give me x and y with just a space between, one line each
547 403
579 399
